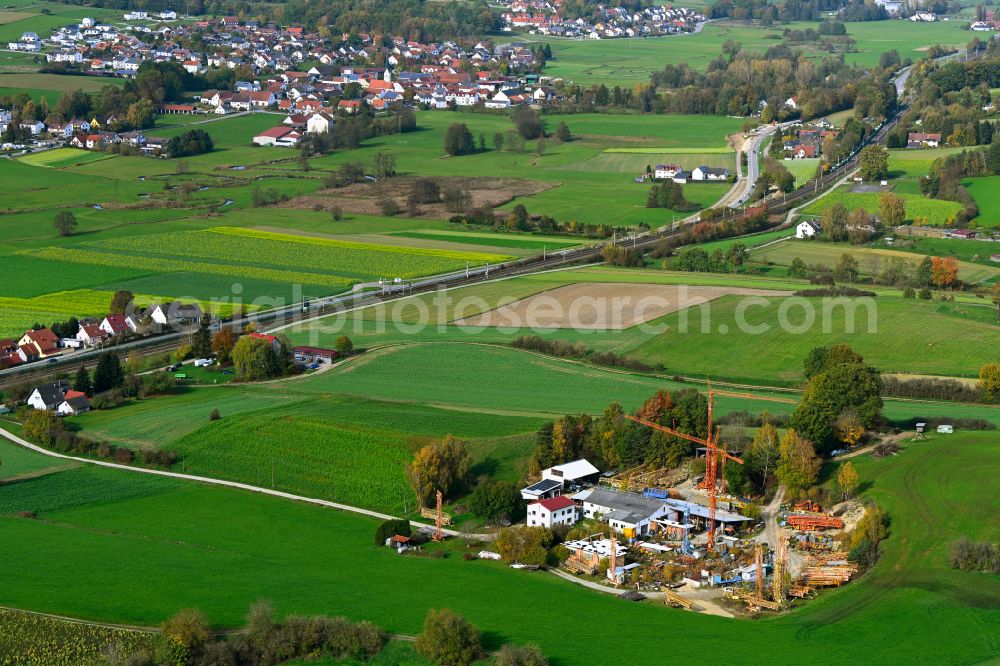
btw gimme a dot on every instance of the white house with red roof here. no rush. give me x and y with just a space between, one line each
559 510
114 324
91 334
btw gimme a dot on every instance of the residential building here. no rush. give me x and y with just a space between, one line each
807 229
560 510
48 397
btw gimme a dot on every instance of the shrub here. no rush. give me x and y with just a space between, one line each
448 639
520 655
343 345
974 555
187 627
214 416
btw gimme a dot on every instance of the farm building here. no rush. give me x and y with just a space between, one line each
554 480
314 354
676 510
559 510
277 136
576 471
628 513
922 140
667 171
709 173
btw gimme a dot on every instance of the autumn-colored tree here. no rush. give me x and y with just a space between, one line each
847 479
944 271
799 465
223 342
520 543
443 466
989 381
656 407
892 209
849 428
188 627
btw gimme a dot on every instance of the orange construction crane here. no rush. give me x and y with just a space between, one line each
712 451
613 561
438 534
759 560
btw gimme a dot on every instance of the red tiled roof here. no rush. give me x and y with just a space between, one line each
274 133
556 503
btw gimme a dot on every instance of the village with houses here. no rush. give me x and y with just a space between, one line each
546 18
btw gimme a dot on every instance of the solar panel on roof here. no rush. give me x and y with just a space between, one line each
543 486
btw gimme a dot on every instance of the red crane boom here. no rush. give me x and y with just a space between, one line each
712 451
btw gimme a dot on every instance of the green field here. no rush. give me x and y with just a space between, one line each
986 192
63 157
629 61
310 560
919 209
949 343
869 260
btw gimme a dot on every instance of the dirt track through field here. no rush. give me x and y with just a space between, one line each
603 306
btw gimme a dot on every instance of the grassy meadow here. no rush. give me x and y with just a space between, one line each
630 61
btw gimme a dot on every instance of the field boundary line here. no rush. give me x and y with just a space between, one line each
237 485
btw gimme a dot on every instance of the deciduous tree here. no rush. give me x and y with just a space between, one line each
449 639
343 345
944 271
120 301
527 545
874 162
989 381
442 465
892 209
496 500
65 223
458 140
223 342
847 479
798 466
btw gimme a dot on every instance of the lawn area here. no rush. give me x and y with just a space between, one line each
309 560
237 131
802 170
986 192
64 157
